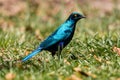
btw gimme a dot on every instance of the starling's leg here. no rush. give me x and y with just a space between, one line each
60 47
59 53
53 53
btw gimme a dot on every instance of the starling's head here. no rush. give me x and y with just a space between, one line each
75 16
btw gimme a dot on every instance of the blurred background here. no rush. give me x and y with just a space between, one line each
40 17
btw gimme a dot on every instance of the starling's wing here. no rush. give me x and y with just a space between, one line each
58 36
51 40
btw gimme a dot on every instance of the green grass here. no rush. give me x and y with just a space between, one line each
90 50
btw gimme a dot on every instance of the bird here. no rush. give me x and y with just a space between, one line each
60 38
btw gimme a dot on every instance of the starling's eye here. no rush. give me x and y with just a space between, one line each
75 15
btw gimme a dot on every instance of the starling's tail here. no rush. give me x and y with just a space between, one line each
32 54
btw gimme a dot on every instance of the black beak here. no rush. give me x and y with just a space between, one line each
82 17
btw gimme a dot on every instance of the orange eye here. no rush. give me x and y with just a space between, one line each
75 15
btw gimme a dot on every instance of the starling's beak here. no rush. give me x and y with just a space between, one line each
81 17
